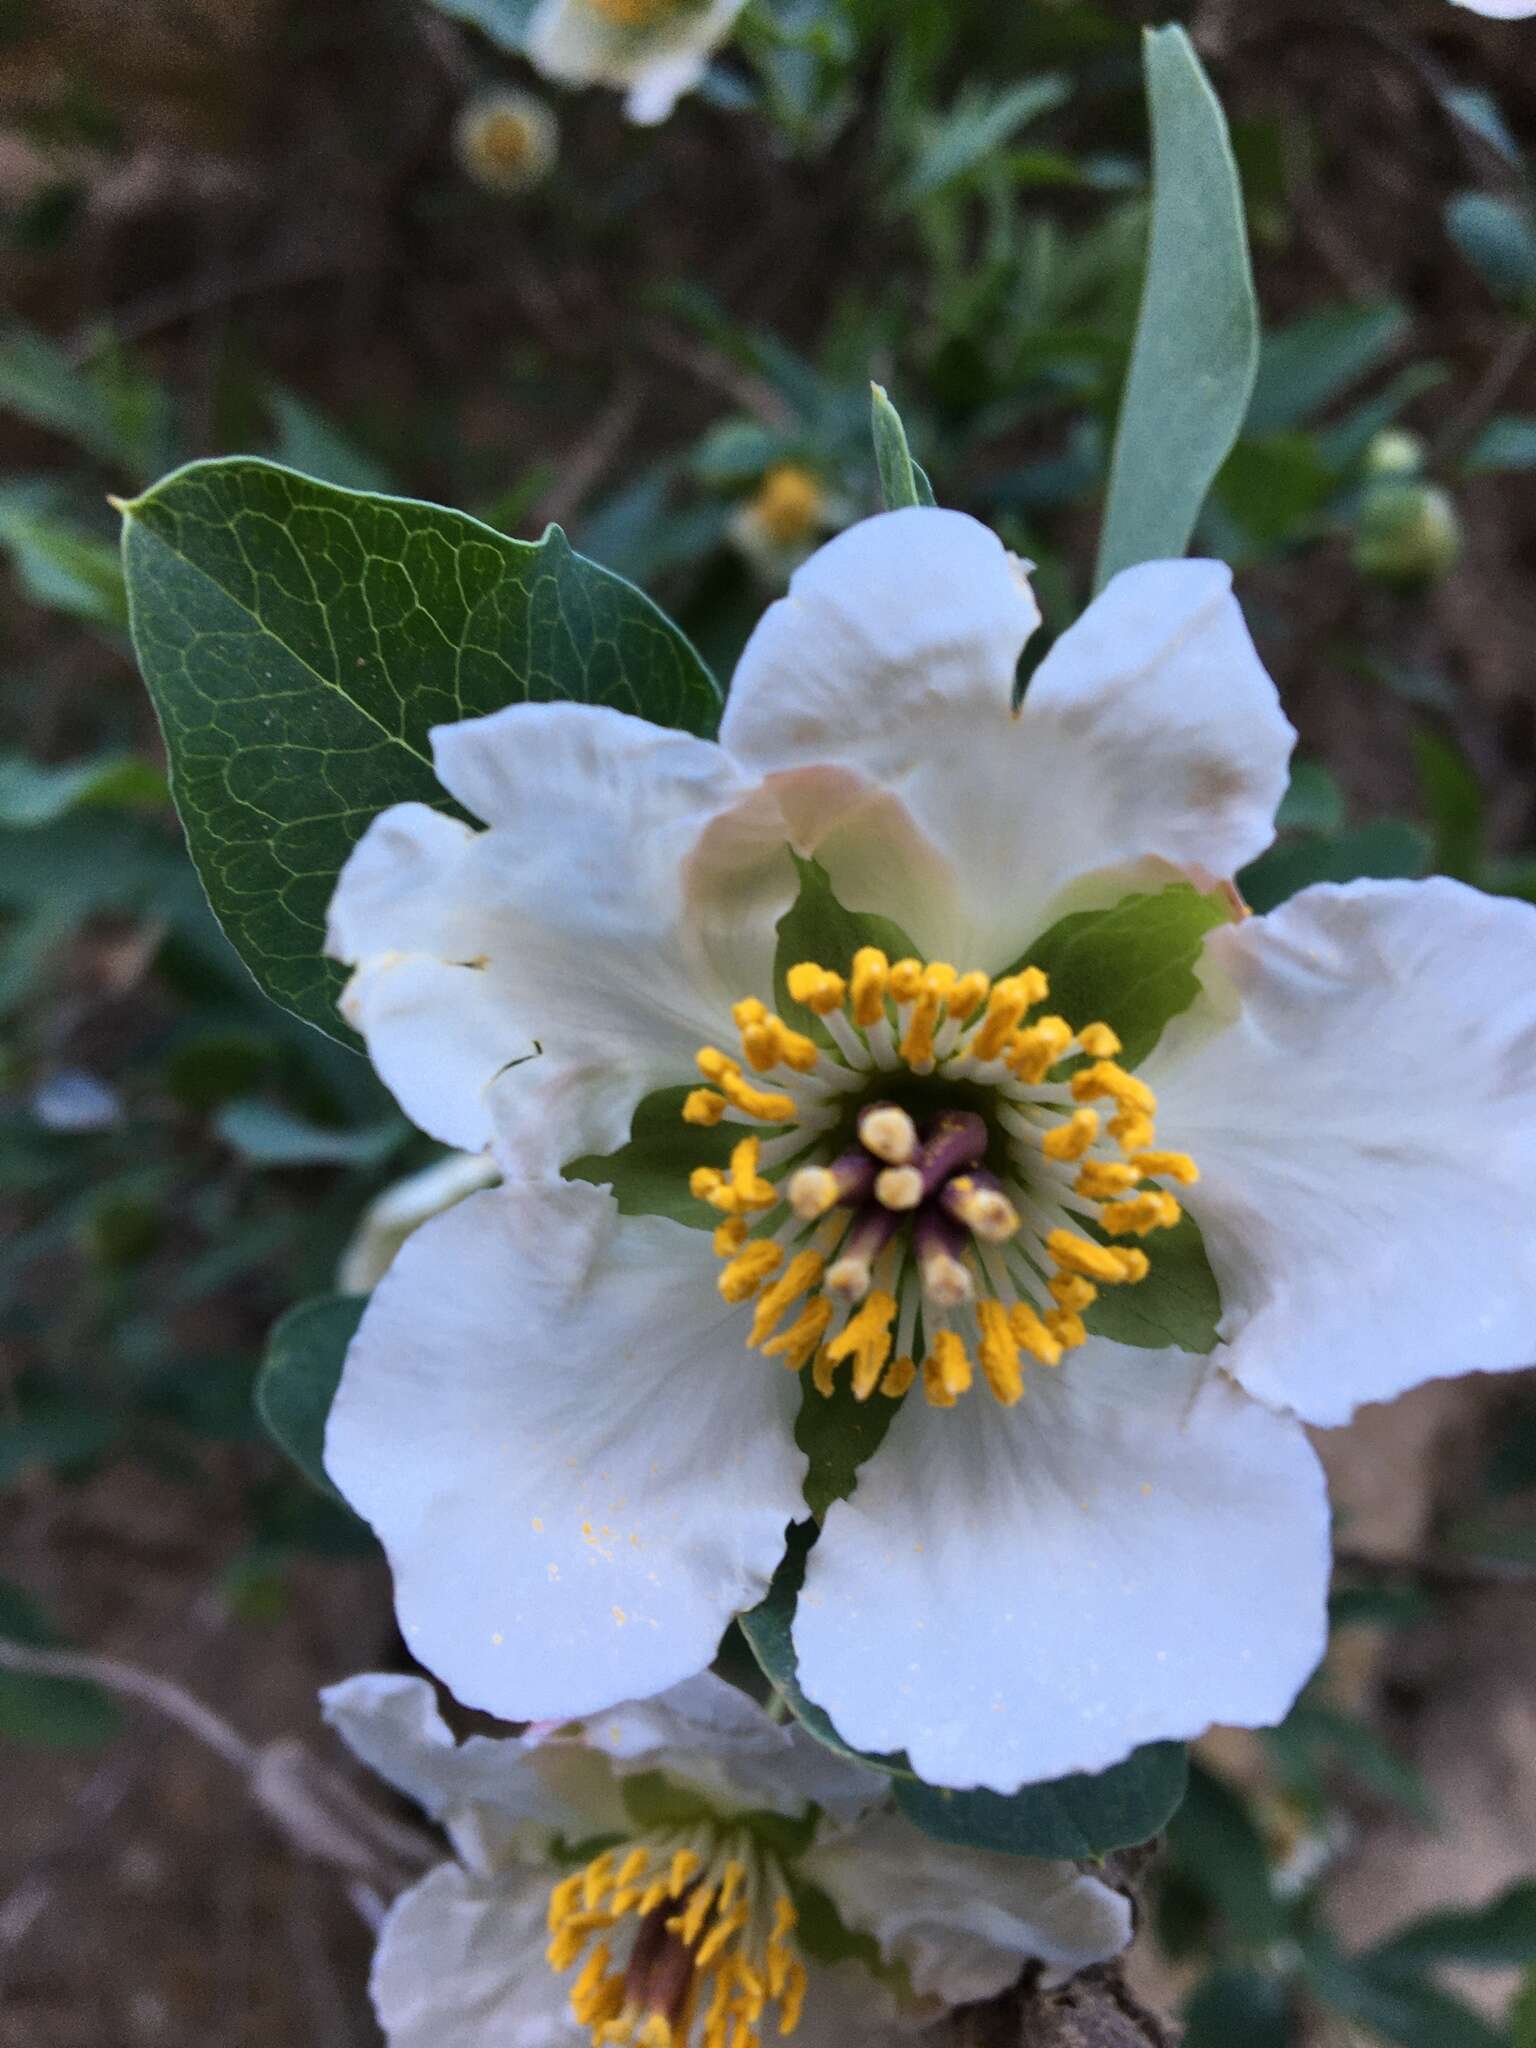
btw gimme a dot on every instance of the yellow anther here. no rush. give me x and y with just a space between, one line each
817 989
1132 1131
562 1901
689 1924
803 1272
1067 1329
1033 1053
1104 1078
1070 1140
724 1930
593 1971
747 1184
1154 1210
917 1039
732 1878
1031 1334
748 1011
713 1064
793 1999
1168 1166
1108 1264
705 1107
871 973
596 1879
824 1374
767 1106
906 982
1007 1003
953 1362
795 1050
999 1353
760 1047
797 1345
768 1042
655 2031
865 1338
1099 1042
748 1270
935 1393
939 979
1072 1292
632 1866
785 1918
967 996
899 1375
653 1895
730 1236
1103 1180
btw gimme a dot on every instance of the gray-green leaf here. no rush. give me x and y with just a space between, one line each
902 481
1197 335
299 642
300 1374
1085 1815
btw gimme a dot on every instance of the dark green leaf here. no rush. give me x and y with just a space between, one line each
1178 1303
1314 1737
817 927
1076 1817
1500 1935
1131 967
649 1175
55 1437
299 642
307 441
266 1134
504 21
1197 335
838 1433
1305 366
1409 2013
1498 238
1453 796
43 385
53 1713
1508 442
1384 851
1235 2008
62 567
1313 803
1213 1842
1522 2014
902 481
300 1374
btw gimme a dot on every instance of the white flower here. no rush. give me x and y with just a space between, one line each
507 140
403 1207
682 1869
560 1418
787 515
1500 10
653 50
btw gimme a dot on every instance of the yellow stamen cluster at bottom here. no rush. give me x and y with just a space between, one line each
1004 1272
710 1951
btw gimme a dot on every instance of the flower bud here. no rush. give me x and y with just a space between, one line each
1409 533
507 141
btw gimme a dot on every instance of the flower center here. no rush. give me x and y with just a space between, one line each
505 141
635 13
788 504
928 1197
710 1944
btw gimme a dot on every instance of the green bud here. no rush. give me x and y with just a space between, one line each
1395 453
1409 533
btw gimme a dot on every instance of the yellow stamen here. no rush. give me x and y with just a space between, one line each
967 996
634 13
899 1375
1132 1131
1104 1078
917 1040
1070 1140
866 1340
748 1270
767 1107
655 2031
1109 1264
723 1931
1153 1210
797 1345
1067 1329
1033 1053
824 1375
953 1362
685 1864
793 1999
999 1353
562 1901
596 1879
730 1236
768 1040
803 1272
747 1012
815 988
1031 1334
1103 1180
1072 1292
705 1107
1099 1042
1007 1003
1168 1166
871 973
906 981
690 1923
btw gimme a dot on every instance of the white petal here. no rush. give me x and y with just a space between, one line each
392 1724
1135 1551
578 927
577 1469
965 1921
1366 1133
705 1732
460 1964
389 1219
571 41
1500 10
1150 731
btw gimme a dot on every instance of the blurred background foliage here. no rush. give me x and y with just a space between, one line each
247 226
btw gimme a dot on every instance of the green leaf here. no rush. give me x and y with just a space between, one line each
1498 238
1305 366
1314 802
1522 2014
53 1713
1389 849
266 1134
1410 2013
504 21
1508 442
652 1800
902 481
1233 2006
299 642
1497 1936
838 1433
975 129
1197 335
32 794
308 441
62 567
1214 1844
817 927
300 1374
649 1175
39 382
1076 1817
1178 1303
1453 796
1131 967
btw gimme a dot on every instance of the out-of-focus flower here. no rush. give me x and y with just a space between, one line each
1500 10
780 524
651 50
1409 531
507 141
389 1219
678 1871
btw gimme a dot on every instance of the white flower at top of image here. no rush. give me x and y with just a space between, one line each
507 140
684 1870
571 1426
403 1207
651 50
1499 10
